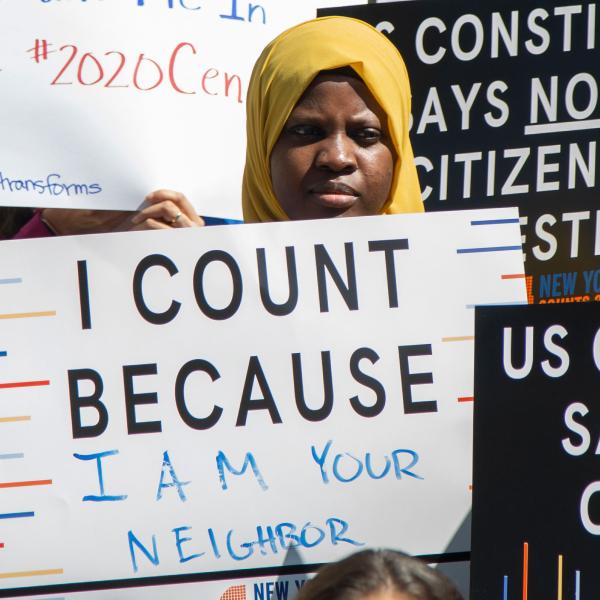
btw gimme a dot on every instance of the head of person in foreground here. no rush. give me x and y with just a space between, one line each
327 125
378 575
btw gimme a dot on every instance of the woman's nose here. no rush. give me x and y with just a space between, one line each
336 153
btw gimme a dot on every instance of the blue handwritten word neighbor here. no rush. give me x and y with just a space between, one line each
269 539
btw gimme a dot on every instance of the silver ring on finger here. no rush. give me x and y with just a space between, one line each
175 218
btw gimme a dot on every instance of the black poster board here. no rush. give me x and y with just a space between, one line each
536 481
527 77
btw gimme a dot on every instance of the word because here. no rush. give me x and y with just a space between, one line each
113 71
254 378
51 185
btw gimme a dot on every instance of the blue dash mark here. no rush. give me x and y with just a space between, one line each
19 515
494 221
490 249
12 456
11 280
3 353
505 588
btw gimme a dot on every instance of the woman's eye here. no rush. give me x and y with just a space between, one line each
305 130
368 134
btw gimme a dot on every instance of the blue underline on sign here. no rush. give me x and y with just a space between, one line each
19 515
494 221
11 280
491 249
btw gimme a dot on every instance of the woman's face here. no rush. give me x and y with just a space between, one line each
333 157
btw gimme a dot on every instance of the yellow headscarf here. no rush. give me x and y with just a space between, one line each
282 73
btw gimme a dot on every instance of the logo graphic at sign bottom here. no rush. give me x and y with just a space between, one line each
235 592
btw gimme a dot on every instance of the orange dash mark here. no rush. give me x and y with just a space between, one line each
525 569
29 315
14 419
466 399
19 384
14 484
32 573
470 487
514 276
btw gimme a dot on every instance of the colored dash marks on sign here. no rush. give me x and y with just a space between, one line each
15 419
20 384
487 249
17 515
11 280
525 570
21 455
35 573
29 315
14 484
525 579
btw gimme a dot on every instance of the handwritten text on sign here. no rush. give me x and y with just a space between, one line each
142 95
208 400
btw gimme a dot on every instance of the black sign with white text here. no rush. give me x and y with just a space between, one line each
505 97
536 480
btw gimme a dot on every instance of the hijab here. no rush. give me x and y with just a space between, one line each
284 70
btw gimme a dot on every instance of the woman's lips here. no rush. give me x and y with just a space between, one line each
334 194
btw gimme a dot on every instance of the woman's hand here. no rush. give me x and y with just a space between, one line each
167 209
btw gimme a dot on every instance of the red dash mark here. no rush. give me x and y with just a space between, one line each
525 569
1 545
13 484
514 276
466 398
18 384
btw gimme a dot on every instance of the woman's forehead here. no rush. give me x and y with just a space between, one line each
338 87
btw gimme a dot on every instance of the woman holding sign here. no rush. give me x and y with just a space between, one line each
327 126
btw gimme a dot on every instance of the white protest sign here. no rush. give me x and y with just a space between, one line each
104 101
222 400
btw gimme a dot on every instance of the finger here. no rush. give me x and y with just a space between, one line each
179 200
166 210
